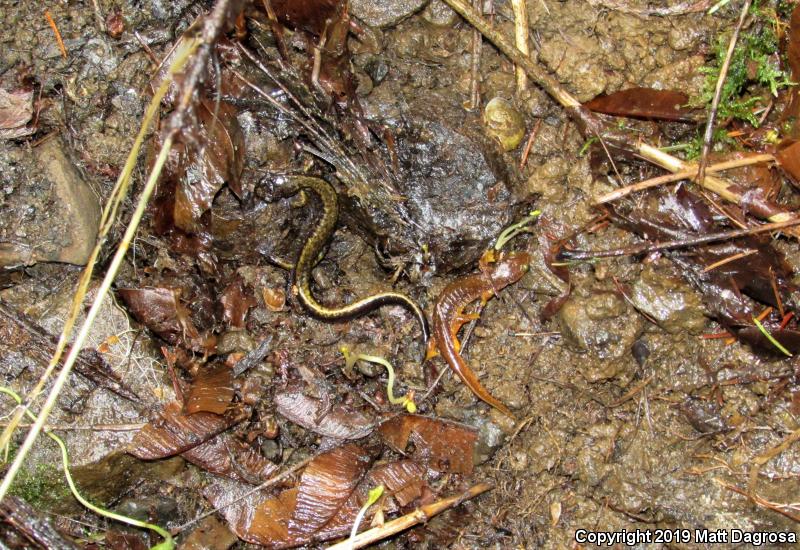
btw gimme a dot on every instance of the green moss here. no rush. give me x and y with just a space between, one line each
754 73
42 487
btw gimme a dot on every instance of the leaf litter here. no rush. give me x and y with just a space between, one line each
737 279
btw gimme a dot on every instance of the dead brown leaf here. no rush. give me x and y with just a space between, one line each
442 445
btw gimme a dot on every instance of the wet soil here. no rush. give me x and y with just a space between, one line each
626 418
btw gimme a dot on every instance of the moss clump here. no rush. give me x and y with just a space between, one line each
754 73
43 487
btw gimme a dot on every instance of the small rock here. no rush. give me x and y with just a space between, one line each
235 340
668 301
53 217
271 450
490 438
210 534
384 13
440 14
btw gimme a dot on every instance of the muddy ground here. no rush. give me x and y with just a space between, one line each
623 423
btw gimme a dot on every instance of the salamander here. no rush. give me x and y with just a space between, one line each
313 251
449 316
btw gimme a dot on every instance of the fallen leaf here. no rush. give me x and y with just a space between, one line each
645 103
236 302
442 445
226 455
174 432
339 422
327 483
211 391
789 159
160 310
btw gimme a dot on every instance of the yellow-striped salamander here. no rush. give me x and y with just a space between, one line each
312 252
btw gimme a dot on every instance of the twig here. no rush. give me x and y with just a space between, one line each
670 245
529 144
729 259
59 40
521 38
764 503
475 65
420 515
708 136
683 174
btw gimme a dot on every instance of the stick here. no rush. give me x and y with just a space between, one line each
683 174
521 38
708 136
420 515
669 245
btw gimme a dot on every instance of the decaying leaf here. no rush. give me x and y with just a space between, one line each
404 480
442 445
789 159
211 391
236 302
160 310
645 103
175 432
16 110
339 421
294 516
325 485
228 456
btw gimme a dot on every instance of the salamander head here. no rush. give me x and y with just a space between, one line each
509 268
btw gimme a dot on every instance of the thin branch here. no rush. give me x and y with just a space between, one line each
708 136
521 38
420 515
683 174
643 248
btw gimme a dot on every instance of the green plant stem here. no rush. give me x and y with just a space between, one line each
372 498
350 359
771 338
166 544
513 230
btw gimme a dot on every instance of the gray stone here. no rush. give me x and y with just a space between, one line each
669 302
384 13
49 212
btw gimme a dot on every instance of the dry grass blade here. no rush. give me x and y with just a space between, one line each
420 515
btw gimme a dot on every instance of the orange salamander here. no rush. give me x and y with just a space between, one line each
449 316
